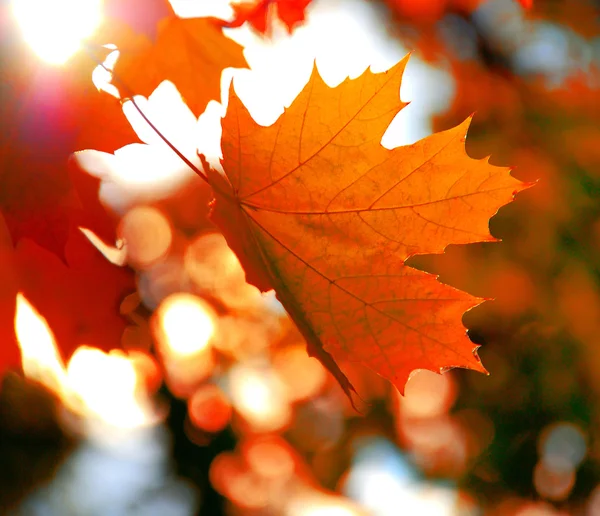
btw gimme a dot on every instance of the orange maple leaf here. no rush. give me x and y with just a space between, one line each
189 52
256 13
316 208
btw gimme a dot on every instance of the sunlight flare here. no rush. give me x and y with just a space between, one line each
115 402
188 324
56 29
98 386
258 395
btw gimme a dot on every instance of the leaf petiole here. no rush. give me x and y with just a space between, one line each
130 97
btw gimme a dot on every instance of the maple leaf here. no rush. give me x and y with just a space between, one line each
189 52
256 13
79 297
52 113
40 195
316 208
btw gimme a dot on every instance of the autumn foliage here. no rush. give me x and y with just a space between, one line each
329 225
363 244
316 208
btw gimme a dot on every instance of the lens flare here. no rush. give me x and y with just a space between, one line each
562 443
259 397
552 482
302 375
216 270
56 29
148 235
428 394
209 409
270 457
187 324
98 386
105 387
308 501
185 328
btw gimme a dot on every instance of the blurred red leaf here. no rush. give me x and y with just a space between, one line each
316 208
428 11
256 13
44 198
9 286
79 298
53 113
419 9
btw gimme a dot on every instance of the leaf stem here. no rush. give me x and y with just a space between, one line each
130 97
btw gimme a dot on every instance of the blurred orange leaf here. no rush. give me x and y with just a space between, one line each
316 208
189 52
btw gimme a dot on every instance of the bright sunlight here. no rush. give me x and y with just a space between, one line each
41 359
55 29
82 384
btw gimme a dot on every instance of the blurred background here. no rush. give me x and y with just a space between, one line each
214 406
